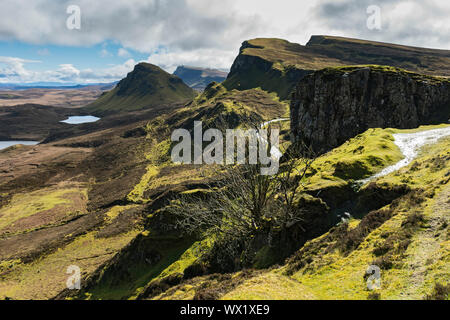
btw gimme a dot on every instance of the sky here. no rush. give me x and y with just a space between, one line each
87 41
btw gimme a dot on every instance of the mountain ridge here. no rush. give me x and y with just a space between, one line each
144 87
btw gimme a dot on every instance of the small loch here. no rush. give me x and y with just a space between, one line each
80 119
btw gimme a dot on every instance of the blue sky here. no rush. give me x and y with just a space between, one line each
103 54
37 46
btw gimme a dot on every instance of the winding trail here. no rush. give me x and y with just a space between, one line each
410 145
427 244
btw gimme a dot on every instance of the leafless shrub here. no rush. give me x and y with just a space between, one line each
245 206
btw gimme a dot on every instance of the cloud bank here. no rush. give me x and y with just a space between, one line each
13 70
205 33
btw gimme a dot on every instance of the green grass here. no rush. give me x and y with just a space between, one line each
46 277
358 158
137 194
332 274
28 204
386 69
173 253
270 286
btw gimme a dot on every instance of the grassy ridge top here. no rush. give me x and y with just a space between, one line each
277 65
146 86
284 53
407 239
327 51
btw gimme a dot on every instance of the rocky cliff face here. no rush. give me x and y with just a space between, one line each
335 104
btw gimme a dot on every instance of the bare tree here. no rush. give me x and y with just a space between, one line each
238 205
243 203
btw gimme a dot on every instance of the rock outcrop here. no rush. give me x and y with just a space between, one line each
333 105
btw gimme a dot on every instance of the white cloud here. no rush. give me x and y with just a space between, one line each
208 33
12 67
110 74
421 23
13 70
189 25
207 58
139 24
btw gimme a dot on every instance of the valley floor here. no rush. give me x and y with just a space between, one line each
88 201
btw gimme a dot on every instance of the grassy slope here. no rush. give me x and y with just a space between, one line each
362 156
100 245
45 277
53 224
216 103
162 176
333 273
357 51
337 276
64 202
144 87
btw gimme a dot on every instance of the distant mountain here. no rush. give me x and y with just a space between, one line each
145 87
199 78
276 65
53 85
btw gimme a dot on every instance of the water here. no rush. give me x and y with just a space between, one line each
80 119
274 151
410 145
7 144
273 121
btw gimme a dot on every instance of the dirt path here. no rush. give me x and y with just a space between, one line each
425 249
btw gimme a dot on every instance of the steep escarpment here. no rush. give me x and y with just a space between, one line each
271 64
277 65
145 87
335 104
357 51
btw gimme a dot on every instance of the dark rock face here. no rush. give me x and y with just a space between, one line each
333 105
